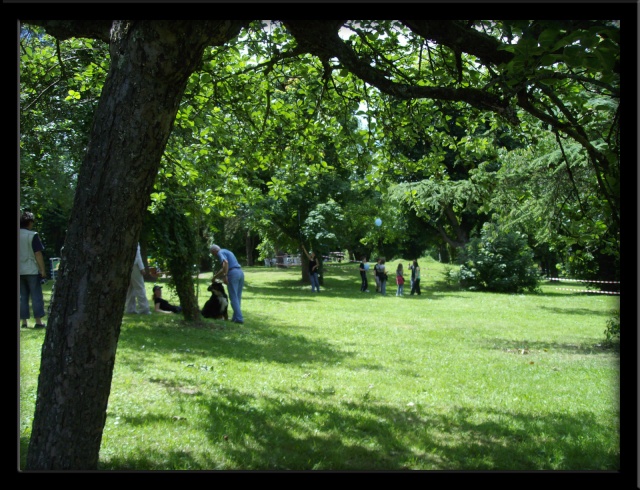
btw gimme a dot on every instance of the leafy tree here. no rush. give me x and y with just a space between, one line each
60 84
612 332
114 185
176 235
499 261
549 192
434 179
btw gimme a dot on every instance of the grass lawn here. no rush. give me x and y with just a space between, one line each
344 380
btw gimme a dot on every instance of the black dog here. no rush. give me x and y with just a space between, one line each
216 306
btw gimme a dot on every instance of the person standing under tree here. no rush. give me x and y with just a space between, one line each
415 272
376 274
400 280
233 276
364 269
137 292
32 271
382 270
313 270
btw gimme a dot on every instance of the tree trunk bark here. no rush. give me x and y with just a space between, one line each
249 248
304 267
182 275
608 272
150 64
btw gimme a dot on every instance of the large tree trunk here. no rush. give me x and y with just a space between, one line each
249 246
182 275
174 233
150 64
608 271
304 267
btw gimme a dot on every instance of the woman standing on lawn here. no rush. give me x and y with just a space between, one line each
364 269
313 270
400 280
376 274
415 272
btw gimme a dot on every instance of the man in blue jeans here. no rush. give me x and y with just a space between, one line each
31 267
233 276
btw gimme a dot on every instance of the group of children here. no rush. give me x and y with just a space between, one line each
380 275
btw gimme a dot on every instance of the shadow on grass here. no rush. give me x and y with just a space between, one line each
277 431
575 311
249 342
516 346
362 435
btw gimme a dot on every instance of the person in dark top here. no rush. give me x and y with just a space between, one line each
364 270
376 274
313 270
161 304
415 274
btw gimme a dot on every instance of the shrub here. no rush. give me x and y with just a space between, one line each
578 263
612 332
498 261
451 275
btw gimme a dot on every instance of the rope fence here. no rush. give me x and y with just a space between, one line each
584 281
580 280
296 260
588 291
283 261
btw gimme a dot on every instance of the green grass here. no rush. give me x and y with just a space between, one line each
343 380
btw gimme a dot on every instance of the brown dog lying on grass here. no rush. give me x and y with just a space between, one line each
216 306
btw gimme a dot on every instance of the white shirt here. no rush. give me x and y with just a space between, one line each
27 264
138 260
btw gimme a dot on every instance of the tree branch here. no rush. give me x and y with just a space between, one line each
66 29
321 39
